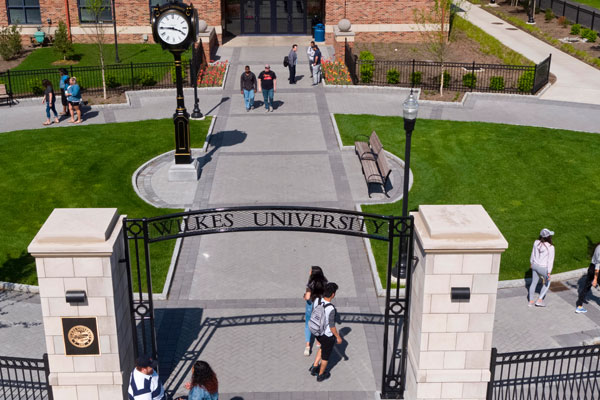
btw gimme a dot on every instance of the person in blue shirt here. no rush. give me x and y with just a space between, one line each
73 93
204 384
64 82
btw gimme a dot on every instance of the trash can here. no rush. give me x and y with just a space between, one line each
39 37
319 33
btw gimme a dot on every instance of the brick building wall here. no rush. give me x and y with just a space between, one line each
373 11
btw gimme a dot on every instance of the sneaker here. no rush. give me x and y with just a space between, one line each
267 110
531 303
580 310
307 351
321 378
247 110
540 303
271 108
314 371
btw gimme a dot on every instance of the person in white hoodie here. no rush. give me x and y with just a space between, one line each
542 261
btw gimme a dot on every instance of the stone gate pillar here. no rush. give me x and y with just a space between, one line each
453 301
85 303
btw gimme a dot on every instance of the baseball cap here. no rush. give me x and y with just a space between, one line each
546 233
145 362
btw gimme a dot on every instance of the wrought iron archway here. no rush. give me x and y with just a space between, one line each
140 232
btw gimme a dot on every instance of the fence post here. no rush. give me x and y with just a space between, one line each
490 388
412 75
535 71
593 17
473 75
564 7
132 81
9 82
577 16
47 373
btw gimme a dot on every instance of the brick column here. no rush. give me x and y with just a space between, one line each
80 249
450 341
339 42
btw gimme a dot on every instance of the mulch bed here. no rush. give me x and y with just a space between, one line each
6 65
552 27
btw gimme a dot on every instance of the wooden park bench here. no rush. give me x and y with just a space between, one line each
4 95
374 164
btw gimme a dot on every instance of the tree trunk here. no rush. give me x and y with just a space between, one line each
442 82
103 75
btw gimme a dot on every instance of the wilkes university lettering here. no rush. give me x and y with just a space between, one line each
329 221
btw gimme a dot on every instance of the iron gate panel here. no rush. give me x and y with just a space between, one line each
139 233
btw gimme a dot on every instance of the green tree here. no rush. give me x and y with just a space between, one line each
434 23
97 8
62 44
10 42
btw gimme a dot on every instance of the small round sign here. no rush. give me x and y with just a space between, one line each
81 336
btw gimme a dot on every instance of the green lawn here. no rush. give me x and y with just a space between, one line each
526 178
87 55
591 3
82 166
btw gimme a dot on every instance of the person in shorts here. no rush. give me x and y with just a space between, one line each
73 93
329 339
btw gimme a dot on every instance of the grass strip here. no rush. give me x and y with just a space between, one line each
71 167
527 178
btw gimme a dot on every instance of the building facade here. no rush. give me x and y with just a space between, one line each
372 20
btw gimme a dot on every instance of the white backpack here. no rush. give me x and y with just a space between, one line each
318 321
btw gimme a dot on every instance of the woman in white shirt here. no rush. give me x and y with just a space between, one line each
542 261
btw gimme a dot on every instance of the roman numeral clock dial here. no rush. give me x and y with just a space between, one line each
172 28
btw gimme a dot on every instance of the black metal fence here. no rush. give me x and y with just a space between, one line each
24 378
551 374
469 77
119 77
584 15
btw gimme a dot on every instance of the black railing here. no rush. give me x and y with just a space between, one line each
469 77
119 77
550 374
24 378
580 14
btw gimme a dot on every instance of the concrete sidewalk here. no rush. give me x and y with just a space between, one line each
576 81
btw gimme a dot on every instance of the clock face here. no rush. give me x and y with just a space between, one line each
172 28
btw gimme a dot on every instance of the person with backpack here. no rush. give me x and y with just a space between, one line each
64 82
590 280
292 60
314 290
542 261
322 325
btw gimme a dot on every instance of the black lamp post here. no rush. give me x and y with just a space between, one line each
196 113
530 19
410 109
114 12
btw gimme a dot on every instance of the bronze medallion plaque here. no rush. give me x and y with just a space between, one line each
80 336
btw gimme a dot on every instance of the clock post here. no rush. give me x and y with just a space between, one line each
174 27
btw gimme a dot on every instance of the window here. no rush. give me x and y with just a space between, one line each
86 14
24 12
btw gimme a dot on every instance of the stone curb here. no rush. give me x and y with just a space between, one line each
19 287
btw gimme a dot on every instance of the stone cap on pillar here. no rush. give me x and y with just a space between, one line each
458 228
77 231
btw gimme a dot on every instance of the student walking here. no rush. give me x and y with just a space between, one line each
73 93
542 261
292 61
64 82
322 324
204 384
50 100
590 280
267 83
144 383
317 66
248 87
314 290
310 53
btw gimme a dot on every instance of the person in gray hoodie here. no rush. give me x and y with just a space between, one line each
292 61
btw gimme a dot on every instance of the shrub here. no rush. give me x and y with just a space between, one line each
147 79
112 82
575 29
497 83
589 34
393 76
470 80
10 42
525 82
416 78
35 86
562 21
62 44
366 67
549 15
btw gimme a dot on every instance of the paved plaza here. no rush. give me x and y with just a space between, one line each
235 300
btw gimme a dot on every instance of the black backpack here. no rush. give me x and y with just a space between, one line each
286 61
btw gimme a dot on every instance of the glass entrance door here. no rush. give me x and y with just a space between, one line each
273 16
